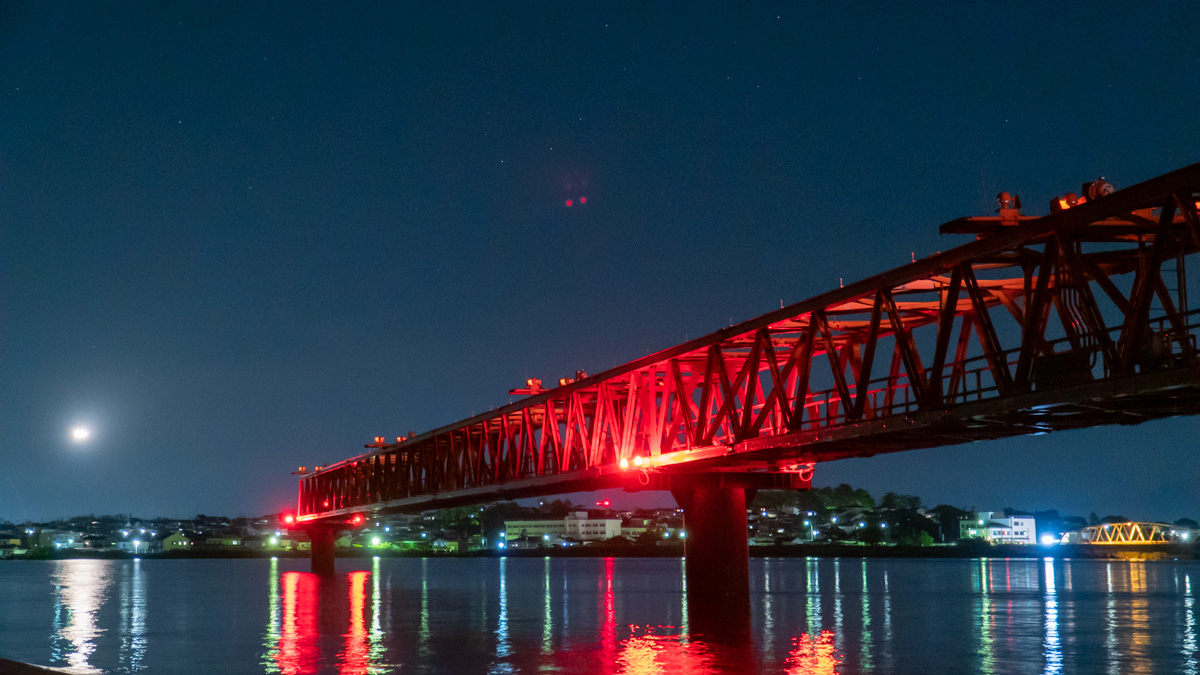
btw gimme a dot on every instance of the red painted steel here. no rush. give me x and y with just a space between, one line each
1039 324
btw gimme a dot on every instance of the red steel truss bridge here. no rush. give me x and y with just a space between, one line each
1074 319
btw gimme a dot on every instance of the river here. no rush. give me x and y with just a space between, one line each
597 615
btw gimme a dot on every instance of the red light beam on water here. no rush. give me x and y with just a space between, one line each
298 650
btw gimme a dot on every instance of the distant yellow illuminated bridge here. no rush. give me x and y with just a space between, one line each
1129 533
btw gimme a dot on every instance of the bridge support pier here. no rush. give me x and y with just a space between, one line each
717 561
322 538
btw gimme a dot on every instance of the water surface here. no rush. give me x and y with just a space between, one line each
597 615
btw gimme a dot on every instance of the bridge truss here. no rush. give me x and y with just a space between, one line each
1074 319
1131 533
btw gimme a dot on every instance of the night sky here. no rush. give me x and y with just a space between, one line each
237 237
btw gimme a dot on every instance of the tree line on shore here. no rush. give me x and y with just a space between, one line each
894 517
908 519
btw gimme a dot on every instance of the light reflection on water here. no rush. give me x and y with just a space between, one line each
1051 643
80 588
521 615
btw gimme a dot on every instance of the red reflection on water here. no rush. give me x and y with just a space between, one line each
608 618
355 658
298 651
813 655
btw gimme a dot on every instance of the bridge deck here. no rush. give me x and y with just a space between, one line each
1075 319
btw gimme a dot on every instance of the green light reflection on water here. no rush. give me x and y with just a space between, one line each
270 657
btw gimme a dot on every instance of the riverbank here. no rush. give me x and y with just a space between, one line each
674 550
965 550
16 668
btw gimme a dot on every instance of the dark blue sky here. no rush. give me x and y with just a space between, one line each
240 237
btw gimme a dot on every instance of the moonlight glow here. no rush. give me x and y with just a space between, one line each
80 434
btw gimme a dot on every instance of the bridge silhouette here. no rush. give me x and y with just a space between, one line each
1074 319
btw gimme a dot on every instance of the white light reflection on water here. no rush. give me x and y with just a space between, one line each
887 619
1190 653
547 619
683 621
423 633
865 648
80 589
133 618
838 636
1110 625
987 654
376 636
503 646
813 596
768 610
1051 645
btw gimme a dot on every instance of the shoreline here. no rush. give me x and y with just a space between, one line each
1174 552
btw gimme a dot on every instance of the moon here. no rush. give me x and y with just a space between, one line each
80 434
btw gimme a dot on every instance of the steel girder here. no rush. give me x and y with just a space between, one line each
1047 323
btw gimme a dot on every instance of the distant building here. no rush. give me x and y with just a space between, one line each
58 539
994 528
176 541
145 544
575 526
223 541
10 545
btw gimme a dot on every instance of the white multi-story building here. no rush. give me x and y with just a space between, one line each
575 526
997 529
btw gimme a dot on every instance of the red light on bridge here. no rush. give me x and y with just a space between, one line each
570 203
289 519
604 502
357 519
583 200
